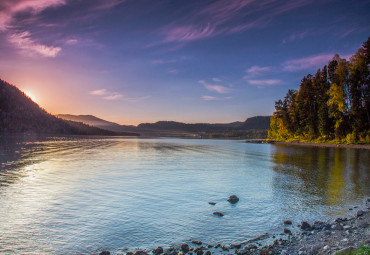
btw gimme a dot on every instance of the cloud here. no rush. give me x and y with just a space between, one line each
9 8
212 98
30 47
264 83
99 92
163 61
222 17
316 61
216 88
297 36
215 79
256 70
173 71
105 94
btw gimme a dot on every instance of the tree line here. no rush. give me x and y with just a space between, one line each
331 106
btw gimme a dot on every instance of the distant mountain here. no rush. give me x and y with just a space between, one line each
18 114
97 122
257 123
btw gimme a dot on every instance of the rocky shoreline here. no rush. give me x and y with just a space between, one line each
339 236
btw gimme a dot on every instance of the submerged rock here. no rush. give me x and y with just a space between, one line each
233 199
218 214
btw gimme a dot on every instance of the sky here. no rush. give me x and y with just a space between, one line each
134 61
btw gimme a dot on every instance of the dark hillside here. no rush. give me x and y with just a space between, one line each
18 114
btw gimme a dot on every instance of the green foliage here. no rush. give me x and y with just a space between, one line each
364 250
331 106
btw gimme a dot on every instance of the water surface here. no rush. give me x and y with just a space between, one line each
83 195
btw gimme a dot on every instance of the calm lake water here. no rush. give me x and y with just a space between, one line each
78 195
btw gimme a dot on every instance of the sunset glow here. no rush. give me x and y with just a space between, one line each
192 61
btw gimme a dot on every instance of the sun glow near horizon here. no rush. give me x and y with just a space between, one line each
32 96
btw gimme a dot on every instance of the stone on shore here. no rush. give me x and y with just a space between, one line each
157 250
185 248
233 199
305 226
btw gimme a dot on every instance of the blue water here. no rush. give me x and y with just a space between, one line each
77 195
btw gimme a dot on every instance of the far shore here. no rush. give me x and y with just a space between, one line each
332 145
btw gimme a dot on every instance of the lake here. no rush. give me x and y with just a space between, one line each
84 195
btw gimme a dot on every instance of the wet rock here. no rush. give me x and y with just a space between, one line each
211 203
360 213
158 250
208 253
287 222
197 242
225 248
105 253
233 199
218 246
236 245
338 227
129 253
218 214
209 245
199 252
141 253
287 231
185 248
305 226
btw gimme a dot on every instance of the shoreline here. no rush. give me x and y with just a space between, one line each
329 145
343 235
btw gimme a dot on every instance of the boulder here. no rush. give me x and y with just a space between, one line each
287 231
197 242
185 248
158 250
104 253
305 226
233 199
212 203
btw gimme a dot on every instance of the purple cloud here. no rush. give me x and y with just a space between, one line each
105 94
29 47
264 83
212 98
225 17
216 88
316 61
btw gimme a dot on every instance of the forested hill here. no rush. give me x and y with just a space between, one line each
18 114
331 106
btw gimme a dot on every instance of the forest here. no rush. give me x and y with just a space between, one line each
331 106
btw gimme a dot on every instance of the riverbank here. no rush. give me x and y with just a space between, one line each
331 145
340 236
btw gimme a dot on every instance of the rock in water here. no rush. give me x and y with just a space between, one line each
218 214
185 248
305 226
158 250
287 222
287 231
233 199
211 203
104 253
197 242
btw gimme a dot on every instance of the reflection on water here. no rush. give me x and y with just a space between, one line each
76 195
330 177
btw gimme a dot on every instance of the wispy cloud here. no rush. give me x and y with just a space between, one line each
264 83
213 98
225 17
163 61
110 95
105 94
9 8
216 88
172 71
307 63
297 36
257 70
29 47
215 79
